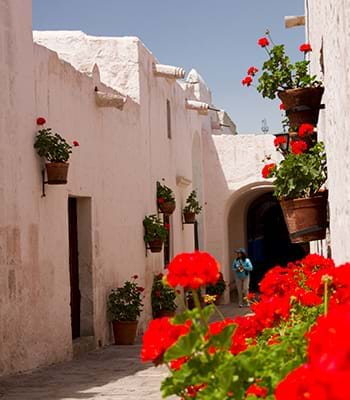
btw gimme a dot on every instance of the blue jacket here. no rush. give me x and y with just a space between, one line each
242 267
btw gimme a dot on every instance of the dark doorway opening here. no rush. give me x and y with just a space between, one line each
268 239
74 267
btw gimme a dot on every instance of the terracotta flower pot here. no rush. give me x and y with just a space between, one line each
155 245
165 313
168 207
306 218
57 173
302 105
190 217
124 332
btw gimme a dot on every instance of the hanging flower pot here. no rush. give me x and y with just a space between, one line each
165 199
57 173
306 218
167 207
155 245
302 105
190 217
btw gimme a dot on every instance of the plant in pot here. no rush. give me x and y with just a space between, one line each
124 307
216 289
300 92
155 233
55 149
165 199
298 181
192 208
162 298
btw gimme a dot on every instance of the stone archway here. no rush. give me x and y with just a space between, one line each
268 242
253 213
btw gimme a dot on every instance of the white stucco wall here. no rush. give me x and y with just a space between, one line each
233 179
113 175
328 24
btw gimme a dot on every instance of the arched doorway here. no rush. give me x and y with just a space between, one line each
267 237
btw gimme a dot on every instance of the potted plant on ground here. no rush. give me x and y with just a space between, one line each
300 92
165 199
298 181
155 233
192 208
124 306
162 298
55 149
217 289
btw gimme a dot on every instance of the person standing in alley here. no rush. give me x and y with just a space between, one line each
242 267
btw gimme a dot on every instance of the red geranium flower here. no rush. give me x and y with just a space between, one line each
257 390
279 140
178 363
247 81
267 170
135 276
305 48
167 226
282 107
160 335
193 270
40 121
160 200
306 129
75 143
263 42
252 71
140 289
298 147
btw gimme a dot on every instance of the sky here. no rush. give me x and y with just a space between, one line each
218 38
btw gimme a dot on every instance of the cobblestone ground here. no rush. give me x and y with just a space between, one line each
113 373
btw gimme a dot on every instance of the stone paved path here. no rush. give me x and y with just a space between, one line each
113 373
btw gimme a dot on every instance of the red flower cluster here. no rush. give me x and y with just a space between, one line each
160 200
267 170
75 143
40 121
282 107
298 146
279 140
160 335
305 48
247 81
305 129
327 372
252 71
257 390
263 42
193 270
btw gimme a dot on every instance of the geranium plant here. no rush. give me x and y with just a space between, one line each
125 303
278 73
163 297
52 146
164 194
192 204
292 347
300 174
216 289
154 228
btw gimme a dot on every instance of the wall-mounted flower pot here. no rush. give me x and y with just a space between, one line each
165 313
168 207
124 332
190 217
155 245
306 218
57 173
302 105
